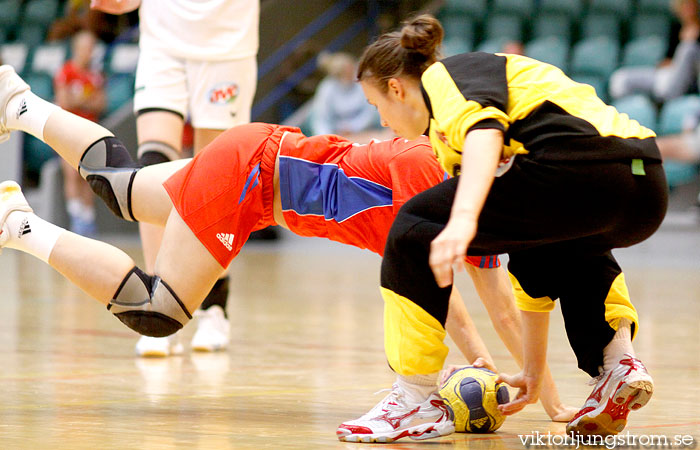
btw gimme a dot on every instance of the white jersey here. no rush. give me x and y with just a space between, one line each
207 30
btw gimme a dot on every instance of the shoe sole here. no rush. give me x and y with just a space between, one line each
418 433
208 348
613 418
153 354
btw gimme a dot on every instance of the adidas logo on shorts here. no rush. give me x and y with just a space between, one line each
226 239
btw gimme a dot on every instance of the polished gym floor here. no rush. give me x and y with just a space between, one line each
306 354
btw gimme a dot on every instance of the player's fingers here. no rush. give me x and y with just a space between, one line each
443 275
483 362
445 373
512 407
505 378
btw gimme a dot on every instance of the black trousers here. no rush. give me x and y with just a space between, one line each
557 220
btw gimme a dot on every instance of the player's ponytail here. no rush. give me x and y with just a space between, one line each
423 35
408 52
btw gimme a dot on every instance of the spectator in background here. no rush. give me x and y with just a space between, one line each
339 105
677 74
79 89
514 48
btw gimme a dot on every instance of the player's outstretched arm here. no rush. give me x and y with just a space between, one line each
460 326
495 292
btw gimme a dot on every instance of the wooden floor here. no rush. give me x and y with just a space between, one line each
306 354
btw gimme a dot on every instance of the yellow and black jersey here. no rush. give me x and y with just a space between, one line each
541 111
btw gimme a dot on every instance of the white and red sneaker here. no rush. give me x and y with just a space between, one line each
396 417
625 388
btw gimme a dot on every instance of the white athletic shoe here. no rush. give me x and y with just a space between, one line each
11 199
10 85
212 330
627 387
396 417
153 347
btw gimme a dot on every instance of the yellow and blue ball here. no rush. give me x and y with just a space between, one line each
473 396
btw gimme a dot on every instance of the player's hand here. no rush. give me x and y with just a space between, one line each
478 362
449 247
528 391
114 6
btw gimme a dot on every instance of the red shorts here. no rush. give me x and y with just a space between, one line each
226 191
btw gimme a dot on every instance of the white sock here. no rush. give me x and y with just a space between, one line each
620 345
29 113
32 234
418 387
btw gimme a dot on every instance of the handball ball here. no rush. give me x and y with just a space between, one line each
473 396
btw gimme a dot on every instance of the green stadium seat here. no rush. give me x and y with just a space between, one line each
521 8
595 56
551 50
674 111
600 24
650 25
494 45
461 28
552 24
9 18
645 51
31 34
506 26
599 83
119 90
572 8
36 153
451 47
472 8
41 83
621 8
640 108
678 173
40 12
654 7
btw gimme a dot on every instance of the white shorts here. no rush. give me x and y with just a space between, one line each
213 94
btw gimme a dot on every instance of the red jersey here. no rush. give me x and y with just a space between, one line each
81 81
329 187
351 193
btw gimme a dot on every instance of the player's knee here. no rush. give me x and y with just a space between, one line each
148 305
156 152
399 233
109 170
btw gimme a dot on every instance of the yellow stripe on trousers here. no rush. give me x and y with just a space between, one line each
413 339
618 305
617 302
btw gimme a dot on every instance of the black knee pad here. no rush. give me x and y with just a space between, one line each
148 305
156 152
109 170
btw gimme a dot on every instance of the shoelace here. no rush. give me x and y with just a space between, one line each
595 380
